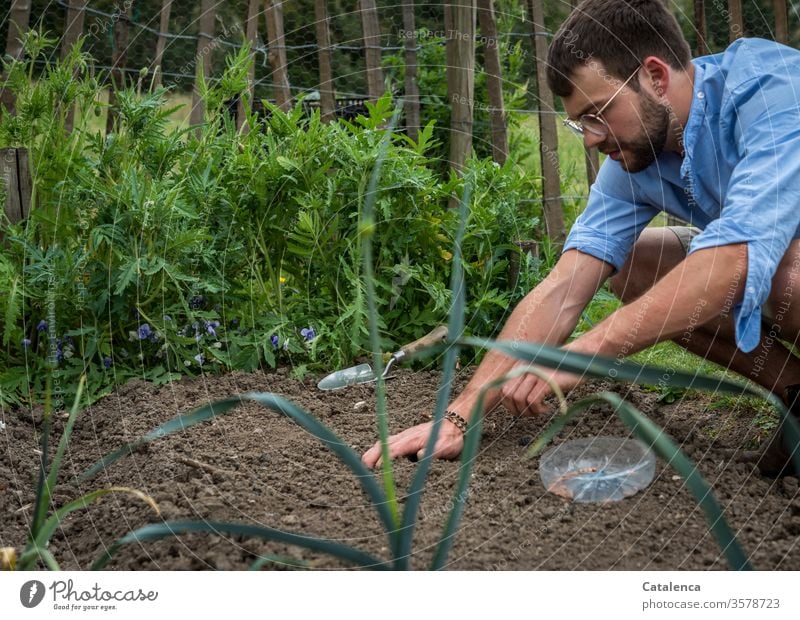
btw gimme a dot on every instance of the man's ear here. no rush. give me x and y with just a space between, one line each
658 73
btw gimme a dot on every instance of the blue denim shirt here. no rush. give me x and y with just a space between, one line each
739 180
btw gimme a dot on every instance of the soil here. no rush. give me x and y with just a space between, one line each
253 465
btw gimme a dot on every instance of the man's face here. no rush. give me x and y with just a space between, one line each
638 124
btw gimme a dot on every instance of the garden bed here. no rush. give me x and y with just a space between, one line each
253 465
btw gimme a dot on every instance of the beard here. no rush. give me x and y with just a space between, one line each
639 153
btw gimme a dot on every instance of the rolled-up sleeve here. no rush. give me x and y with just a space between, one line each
761 205
613 218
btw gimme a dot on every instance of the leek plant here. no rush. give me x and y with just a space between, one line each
43 526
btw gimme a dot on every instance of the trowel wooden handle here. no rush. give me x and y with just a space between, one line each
436 335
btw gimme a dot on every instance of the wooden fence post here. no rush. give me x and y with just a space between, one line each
592 165
372 47
251 32
411 94
73 29
277 54
735 20
18 18
161 44
781 21
548 133
700 27
460 41
494 80
16 179
122 23
206 43
327 101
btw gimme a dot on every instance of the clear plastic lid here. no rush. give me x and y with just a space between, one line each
597 469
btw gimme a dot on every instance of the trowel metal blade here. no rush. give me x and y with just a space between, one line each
349 376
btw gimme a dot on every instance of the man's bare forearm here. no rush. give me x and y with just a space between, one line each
547 315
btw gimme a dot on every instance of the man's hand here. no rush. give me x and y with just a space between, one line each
525 394
412 441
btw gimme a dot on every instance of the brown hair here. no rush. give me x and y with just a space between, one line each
620 34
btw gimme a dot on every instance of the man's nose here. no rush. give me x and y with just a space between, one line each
591 140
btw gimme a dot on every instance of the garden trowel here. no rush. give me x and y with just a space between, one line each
363 373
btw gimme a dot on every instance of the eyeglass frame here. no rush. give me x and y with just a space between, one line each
577 126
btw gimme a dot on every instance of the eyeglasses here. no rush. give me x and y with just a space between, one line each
594 123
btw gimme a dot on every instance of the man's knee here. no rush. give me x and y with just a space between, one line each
783 305
655 253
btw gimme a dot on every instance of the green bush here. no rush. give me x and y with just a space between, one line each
155 251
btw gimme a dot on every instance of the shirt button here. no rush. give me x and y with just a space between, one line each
700 95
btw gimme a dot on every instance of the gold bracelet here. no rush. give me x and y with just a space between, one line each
456 419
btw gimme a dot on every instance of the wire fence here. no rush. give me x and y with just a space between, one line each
184 38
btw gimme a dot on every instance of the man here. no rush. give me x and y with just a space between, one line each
714 141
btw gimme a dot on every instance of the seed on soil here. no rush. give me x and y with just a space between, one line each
360 405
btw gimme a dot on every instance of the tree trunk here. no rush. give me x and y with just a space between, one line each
120 60
251 32
548 134
73 29
163 28
411 98
460 40
372 47
781 21
327 100
592 165
277 54
494 80
18 18
206 43
700 27
16 179
735 19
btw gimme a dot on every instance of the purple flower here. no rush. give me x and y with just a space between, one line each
211 328
308 333
42 326
26 342
197 302
167 317
144 331
107 362
200 359
274 341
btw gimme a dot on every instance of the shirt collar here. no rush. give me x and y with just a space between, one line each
696 114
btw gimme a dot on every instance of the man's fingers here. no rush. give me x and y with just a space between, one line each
515 394
370 457
409 442
525 395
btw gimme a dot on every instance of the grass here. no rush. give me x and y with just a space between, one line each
96 120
